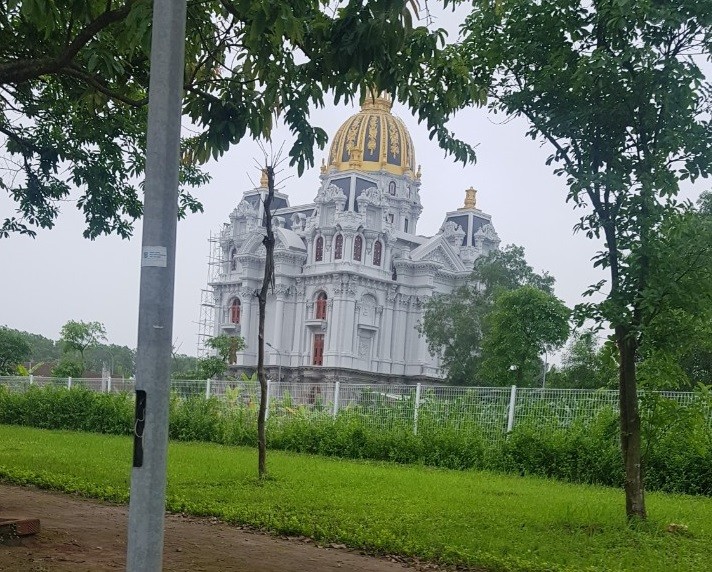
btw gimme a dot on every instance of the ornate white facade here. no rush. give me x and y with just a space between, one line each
352 274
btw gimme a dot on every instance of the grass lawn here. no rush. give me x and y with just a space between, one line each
493 521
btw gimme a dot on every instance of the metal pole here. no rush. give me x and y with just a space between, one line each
512 403
155 325
337 385
415 409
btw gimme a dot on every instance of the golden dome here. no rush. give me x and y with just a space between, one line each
373 140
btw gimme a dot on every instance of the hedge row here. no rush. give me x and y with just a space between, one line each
677 449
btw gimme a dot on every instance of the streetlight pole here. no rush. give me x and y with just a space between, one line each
155 310
279 366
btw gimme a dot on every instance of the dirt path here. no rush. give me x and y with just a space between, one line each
83 535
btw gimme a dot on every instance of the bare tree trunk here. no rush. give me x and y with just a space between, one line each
630 426
267 281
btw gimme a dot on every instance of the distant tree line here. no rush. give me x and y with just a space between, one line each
80 349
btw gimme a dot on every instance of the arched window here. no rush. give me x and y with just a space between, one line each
319 249
233 258
392 188
235 311
358 247
377 251
339 246
320 306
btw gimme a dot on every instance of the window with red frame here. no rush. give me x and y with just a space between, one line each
318 354
358 247
377 251
320 307
338 247
235 311
319 249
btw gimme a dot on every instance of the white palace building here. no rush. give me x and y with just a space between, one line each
352 272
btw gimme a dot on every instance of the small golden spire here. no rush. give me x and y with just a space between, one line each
381 102
323 165
263 180
470 199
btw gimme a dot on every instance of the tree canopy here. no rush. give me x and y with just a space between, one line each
14 350
502 296
524 324
74 91
76 336
616 88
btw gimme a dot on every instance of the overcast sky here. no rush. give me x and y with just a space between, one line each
61 276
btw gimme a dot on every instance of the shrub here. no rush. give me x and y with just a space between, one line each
677 440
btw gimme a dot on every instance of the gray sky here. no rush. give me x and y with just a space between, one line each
60 276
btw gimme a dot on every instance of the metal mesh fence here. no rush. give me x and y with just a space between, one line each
491 411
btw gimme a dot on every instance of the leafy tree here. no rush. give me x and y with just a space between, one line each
523 324
77 336
14 350
507 269
676 344
183 365
43 349
615 87
227 347
455 324
74 91
121 360
585 364
452 325
69 366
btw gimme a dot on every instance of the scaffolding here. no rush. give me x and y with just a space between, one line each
206 319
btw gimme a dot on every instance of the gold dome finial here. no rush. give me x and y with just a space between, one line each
470 199
264 181
381 102
323 165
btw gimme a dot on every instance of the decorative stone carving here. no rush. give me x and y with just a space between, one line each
364 346
282 290
245 209
350 220
438 255
371 196
391 294
246 293
453 233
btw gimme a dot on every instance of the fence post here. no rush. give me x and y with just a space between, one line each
69 383
108 385
32 379
207 388
336 399
415 409
269 384
512 401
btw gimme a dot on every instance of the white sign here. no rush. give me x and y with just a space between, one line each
154 256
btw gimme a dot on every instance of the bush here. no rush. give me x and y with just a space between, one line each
677 441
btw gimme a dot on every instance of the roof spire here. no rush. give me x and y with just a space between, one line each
470 199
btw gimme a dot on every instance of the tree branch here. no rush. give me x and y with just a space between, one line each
20 71
75 71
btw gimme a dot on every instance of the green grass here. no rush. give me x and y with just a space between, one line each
481 519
